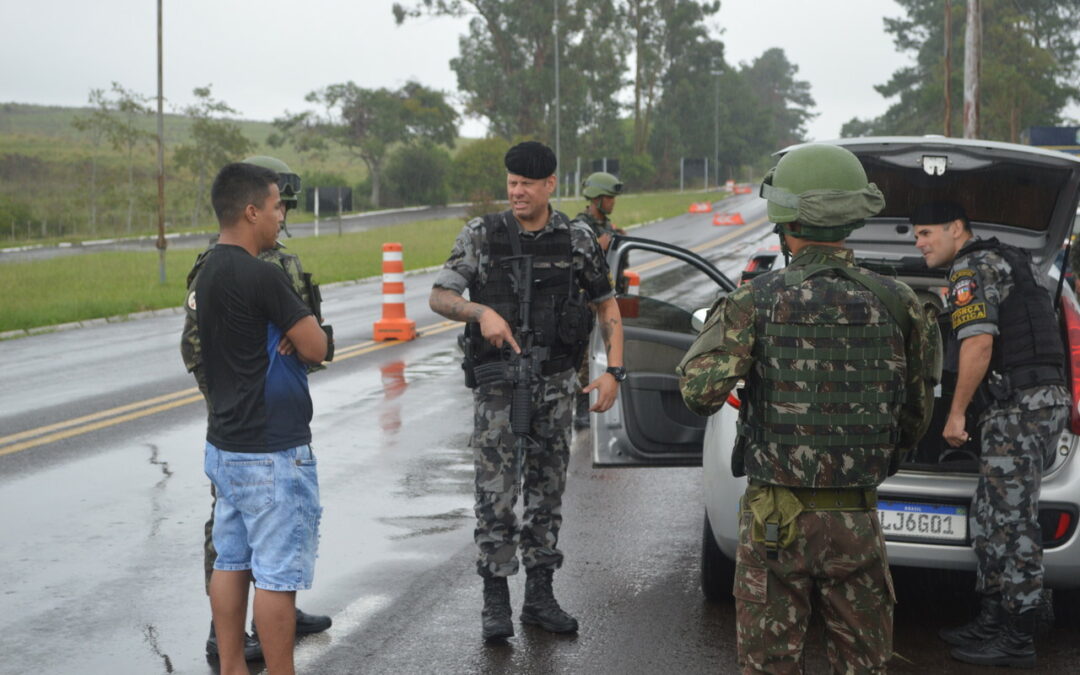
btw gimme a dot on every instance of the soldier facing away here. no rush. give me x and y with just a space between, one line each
191 351
1007 358
838 364
569 282
600 189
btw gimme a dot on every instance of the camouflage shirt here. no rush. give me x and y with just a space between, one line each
467 264
597 227
979 283
729 349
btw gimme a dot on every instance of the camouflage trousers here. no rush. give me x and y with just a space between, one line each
837 567
1005 531
498 533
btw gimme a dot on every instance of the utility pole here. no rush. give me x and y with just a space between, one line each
948 67
716 134
161 243
558 158
972 67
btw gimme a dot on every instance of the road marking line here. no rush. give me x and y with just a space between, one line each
61 435
664 260
4 440
95 421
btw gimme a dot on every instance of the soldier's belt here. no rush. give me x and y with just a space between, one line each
836 499
828 499
775 508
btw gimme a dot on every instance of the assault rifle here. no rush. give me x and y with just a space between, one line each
524 367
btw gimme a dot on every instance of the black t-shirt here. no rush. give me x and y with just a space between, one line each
259 398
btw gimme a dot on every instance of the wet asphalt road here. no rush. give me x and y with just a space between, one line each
104 514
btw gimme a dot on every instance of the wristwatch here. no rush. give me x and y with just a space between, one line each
618 372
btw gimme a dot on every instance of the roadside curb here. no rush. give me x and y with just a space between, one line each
165 311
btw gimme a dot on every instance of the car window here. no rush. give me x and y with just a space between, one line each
668 293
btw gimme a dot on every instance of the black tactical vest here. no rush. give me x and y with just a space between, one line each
554 288
1028 347
828 378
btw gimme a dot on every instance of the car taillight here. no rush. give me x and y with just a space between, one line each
733 400
1072 335
1062 525
1057 524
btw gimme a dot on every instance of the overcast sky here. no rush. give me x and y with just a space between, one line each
263 57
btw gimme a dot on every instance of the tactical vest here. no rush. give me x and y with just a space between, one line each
1028 348
828 378
556 301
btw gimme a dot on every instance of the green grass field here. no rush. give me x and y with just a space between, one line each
108 284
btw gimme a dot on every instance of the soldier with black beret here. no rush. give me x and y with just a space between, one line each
569 284
1006 357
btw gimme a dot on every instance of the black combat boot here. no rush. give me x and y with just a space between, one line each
252 648
1013 646
540 606
984 626
496 616
581 412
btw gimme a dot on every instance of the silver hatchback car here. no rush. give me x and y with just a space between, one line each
1022 195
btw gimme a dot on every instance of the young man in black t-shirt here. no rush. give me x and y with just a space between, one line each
256 335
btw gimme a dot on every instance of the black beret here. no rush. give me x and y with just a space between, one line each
937 213
531 159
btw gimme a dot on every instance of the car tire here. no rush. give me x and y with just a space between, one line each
717 570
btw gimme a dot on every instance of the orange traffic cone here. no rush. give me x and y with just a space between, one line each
628 303
393 325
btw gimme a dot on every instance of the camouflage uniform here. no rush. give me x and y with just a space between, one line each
777 328
597 228
1018 437
191 352
498 534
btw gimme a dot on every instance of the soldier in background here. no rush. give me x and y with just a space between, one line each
190 350
600 189
1006 353
814 442
561 314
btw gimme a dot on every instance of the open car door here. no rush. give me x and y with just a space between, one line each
659 286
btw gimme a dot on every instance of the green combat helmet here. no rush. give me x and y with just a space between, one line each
288 182
822 187
601 184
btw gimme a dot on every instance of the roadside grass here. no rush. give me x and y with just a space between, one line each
115 283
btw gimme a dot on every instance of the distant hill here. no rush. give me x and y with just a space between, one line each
26 126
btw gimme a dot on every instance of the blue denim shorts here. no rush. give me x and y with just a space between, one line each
267 515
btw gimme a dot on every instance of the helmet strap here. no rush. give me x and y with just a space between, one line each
597 203
781 229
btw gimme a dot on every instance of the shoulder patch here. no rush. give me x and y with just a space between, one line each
191 301
969 314
962 288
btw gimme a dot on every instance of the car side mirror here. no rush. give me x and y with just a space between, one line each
698 319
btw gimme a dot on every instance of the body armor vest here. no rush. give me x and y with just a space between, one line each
828 378
1028 348
554 289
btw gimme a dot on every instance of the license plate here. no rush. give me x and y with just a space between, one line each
913 521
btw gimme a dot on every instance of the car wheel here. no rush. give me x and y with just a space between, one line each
717 570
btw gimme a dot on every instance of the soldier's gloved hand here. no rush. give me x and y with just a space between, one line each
496 331
954 433
607 389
